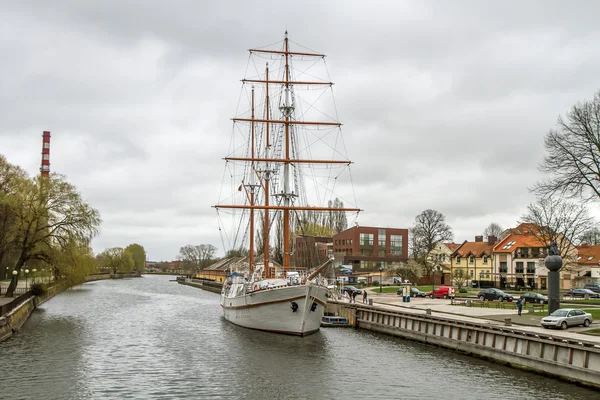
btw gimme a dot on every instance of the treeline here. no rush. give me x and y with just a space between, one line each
117 259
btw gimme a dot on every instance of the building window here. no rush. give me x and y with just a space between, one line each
519 268
381 253
471 259
458 259
396 245
381 238
531 267
366 239
471 273
485 259
503 267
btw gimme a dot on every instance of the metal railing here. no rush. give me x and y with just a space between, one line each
8 307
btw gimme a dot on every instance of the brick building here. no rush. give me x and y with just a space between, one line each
310 251
367 249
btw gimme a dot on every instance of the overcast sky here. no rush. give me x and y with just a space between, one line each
444 103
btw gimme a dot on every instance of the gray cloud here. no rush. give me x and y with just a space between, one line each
444 104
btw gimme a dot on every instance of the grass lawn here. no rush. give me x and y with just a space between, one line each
583 301
595 332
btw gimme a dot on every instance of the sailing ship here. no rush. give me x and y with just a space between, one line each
269 168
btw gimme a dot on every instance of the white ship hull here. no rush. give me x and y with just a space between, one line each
292 310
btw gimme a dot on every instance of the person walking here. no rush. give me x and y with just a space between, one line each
364 295
519 306
354 293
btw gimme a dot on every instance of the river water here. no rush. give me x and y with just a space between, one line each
149 338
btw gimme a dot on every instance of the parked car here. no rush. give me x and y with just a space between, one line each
414 292
594 287
351 289
442 292
565 317
494 294
582 293
533 297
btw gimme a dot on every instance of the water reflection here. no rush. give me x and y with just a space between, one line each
150 338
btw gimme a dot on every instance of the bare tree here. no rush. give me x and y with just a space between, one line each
573 154
591 237
493 229
430 229
561 221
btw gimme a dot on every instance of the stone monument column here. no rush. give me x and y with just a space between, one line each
553 262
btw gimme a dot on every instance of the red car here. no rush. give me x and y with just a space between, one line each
443 292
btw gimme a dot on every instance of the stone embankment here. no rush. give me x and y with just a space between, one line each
566 355
205 284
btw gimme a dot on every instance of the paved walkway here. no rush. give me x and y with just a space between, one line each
4 286
492 316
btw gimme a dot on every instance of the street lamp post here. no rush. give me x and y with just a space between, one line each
432 280
33 276
15 273
380 278
26 272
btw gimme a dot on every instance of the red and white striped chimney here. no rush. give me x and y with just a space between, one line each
45 168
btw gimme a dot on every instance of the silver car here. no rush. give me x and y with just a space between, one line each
565 317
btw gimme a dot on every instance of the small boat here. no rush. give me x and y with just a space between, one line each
329 321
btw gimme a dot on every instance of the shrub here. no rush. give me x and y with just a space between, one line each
37 289
463 290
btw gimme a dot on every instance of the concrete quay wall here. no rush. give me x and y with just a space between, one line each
551 354
211 286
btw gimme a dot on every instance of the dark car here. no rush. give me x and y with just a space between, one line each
494 294
414 292
582 293
351 290
594 287
532 297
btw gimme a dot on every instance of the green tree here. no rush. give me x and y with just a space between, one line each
410 270
116 259
11 178
72 263
139 256
50 216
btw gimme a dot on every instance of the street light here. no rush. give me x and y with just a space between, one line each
26 272
433 280
33 276
15 273
380 277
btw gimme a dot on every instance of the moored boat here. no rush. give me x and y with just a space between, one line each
269 179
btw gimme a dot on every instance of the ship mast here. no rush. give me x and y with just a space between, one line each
287 110
286 160
267 178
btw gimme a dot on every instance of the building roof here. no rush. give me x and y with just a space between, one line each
588 254
514 241
523 228
452 246
477 249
